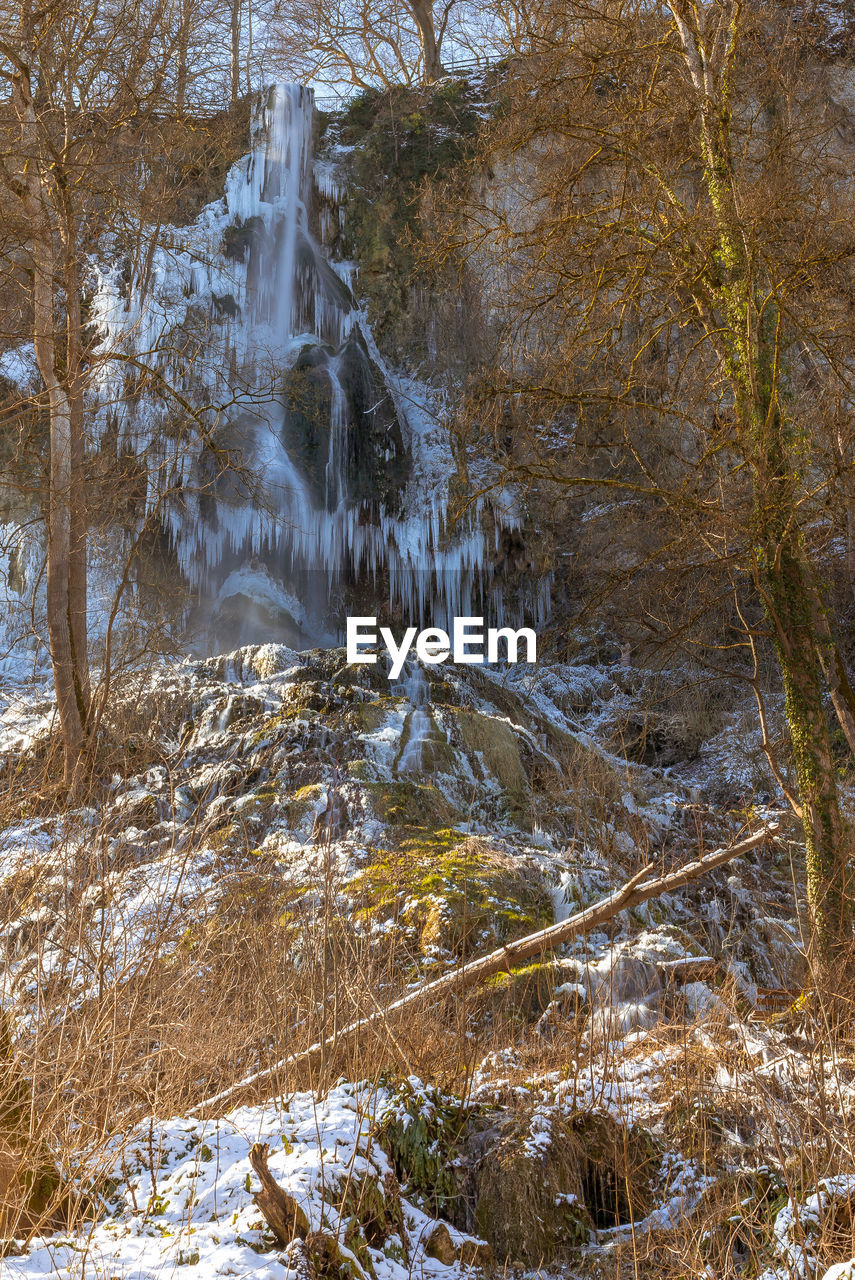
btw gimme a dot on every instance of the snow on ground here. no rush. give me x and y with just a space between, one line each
317 746
192 1206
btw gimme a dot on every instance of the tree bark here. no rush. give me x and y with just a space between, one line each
182 58
422 11
61 554
283 1215
827 839
79 520
235 50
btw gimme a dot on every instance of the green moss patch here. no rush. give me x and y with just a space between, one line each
401 138
410 804
453 894
522 994
302 802
496 743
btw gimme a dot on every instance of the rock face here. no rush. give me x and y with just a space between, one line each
342 429
301 452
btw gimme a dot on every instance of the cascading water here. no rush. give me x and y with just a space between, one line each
339 469
420 727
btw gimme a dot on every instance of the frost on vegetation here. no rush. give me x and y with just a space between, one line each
414 856
801 1225
282 769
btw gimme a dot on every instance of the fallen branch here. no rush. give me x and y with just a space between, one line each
636 890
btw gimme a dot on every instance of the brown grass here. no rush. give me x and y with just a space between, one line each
227 981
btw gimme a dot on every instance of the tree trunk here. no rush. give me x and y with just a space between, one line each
182 60
77 576
422 11
745 319
827 839
235 43
61 555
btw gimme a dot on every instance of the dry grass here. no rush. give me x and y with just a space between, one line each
234 973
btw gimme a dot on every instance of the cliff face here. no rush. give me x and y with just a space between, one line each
315 453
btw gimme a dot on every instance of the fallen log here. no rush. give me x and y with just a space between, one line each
638 889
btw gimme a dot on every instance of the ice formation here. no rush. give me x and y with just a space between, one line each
299 456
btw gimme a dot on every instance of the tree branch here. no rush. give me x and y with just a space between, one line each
638 889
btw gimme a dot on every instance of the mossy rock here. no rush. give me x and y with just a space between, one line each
398 139
281 723
375 464
143 812
522 994
302 802
455 895
538 1202
361 771
367 716
307 695
224 836
362 675
322 664
436 756
410 804
443 693
371 715
496 743
256 805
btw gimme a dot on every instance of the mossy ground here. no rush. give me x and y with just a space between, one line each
538 1202
454 894
413 805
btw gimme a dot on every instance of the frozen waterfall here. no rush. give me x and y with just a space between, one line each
321 477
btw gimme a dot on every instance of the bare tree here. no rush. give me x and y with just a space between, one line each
89 92
667 245
367 43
